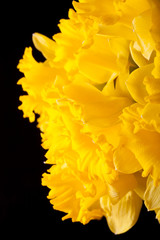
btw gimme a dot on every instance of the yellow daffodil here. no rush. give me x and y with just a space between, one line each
98 98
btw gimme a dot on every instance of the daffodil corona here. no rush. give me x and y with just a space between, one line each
98 99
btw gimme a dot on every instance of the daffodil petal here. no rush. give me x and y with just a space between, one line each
117 86
103 110
146 149
92 61
157 211
119 188
137 56
118 29
152 195
135 83
45 45
141 184
142 25
36 74
156 71
125 213
152 85
151 115
125 161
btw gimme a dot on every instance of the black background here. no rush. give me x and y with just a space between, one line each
24 208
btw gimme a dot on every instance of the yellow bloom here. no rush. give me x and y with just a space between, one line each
98 97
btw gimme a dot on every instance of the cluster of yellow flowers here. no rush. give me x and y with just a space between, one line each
98 97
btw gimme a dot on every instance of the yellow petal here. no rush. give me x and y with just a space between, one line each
142 141
37 75
151 115
155 31
144 145
152 195
125 161
156 70
117 86
125 213
100 9
152 85
135 83
118 30
130 9
92 61
137 55
158 214
119 47
98 109
142 25
122 184
44 44
83 92
141 184
28 106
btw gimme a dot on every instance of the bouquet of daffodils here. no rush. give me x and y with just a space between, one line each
97 95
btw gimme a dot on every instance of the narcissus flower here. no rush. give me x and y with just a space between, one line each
98 99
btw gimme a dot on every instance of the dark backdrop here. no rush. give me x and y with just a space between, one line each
24 208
